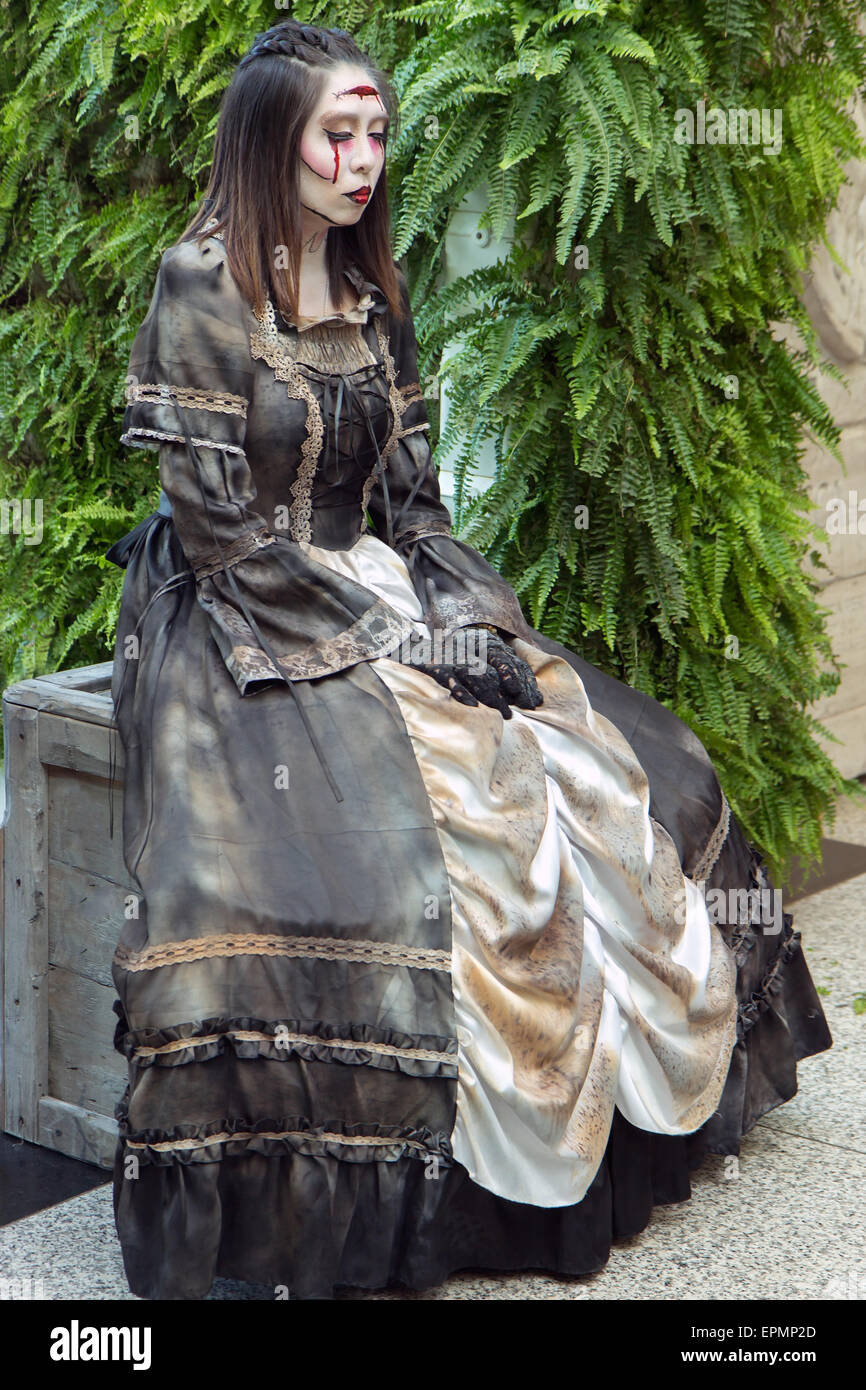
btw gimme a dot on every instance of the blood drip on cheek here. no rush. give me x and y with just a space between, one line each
336 163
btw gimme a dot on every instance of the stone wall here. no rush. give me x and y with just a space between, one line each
836 300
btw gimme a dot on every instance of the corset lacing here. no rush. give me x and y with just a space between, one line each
359 403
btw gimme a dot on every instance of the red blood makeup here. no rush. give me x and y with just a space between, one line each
319 162
361 92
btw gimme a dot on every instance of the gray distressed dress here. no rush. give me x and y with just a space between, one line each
410 987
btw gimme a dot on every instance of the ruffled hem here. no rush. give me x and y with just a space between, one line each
772 983
780 1019
350 1044
274 1137
333 1225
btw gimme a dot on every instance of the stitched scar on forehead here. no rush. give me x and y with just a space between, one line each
360 92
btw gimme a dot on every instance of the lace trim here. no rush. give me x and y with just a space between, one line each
378 632
237 550
422 529
266 345
133 435
278 1137
301 509
328 1137
292 947
342 1043
411 392
157 393
714 845
366 491
281 1039
399 404
468 611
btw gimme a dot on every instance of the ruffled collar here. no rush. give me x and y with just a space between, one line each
371 300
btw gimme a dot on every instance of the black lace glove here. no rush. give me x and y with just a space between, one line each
492 675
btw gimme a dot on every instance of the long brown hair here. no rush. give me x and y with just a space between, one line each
253 190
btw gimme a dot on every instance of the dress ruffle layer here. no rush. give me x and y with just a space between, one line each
368 1225
352 1044
780 1018
218 1140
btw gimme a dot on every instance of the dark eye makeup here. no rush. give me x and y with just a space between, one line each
340 135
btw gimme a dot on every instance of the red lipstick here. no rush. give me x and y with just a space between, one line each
360 195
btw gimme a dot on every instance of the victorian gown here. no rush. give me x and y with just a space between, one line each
410 987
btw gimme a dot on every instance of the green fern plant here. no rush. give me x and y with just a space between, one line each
602 385
641 379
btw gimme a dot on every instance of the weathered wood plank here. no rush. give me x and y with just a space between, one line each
80 746
96 678
85 921
84 693
83 1067
25 939
78 824
80 1133
56 699
92 679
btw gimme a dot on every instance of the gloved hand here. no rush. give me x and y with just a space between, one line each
501 679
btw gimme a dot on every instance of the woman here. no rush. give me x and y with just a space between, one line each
423 974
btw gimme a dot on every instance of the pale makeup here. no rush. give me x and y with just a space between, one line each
342 150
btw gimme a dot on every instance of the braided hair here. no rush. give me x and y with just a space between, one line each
307 44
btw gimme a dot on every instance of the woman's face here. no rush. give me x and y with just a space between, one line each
343 147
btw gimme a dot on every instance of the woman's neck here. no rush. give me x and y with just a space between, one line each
313 246
314 299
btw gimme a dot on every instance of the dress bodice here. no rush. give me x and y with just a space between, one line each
320 422
322 415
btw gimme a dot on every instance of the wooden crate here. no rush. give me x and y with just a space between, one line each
65 889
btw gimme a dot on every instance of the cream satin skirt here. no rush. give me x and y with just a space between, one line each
586 972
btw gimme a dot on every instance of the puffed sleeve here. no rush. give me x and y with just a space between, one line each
194 347
457 587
